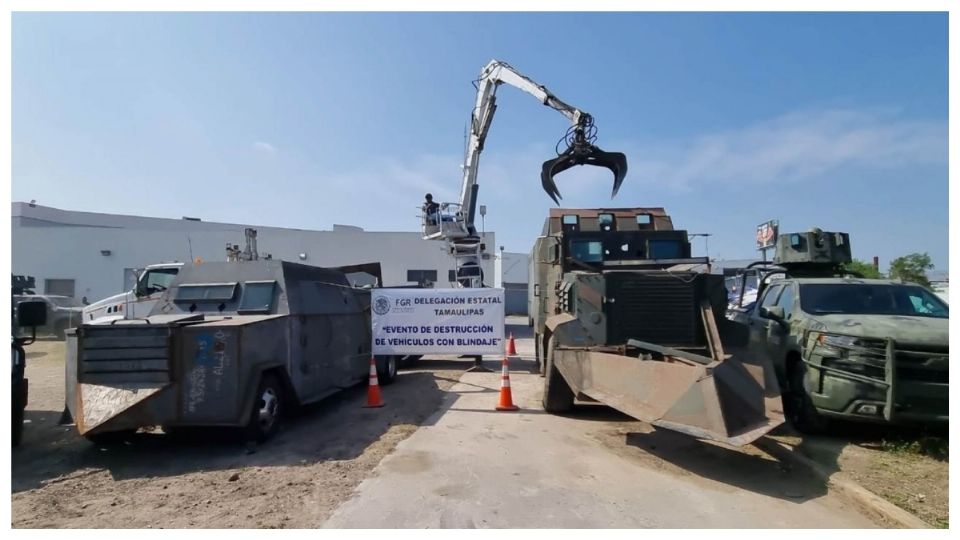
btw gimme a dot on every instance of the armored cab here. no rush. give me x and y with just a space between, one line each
624 315
228 344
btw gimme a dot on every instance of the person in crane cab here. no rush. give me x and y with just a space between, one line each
431 210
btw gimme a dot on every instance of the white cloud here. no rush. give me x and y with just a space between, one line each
792 147
265 147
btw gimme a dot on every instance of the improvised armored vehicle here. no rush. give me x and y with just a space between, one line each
137 302
228 344
27 313
624 315
844 347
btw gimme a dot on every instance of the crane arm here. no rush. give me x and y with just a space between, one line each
581 151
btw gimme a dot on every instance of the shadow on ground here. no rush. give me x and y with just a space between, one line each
744 470
337 428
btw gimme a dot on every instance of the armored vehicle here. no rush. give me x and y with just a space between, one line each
27 313
228 344
844 347
624 315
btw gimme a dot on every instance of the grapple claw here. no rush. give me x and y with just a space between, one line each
582 154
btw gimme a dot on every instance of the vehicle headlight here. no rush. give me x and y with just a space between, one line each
838 341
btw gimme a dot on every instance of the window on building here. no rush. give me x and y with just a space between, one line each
451 276
62 287
644 219
421 276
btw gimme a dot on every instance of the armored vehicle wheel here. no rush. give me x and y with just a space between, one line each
557 395
798 406
386 369
265 413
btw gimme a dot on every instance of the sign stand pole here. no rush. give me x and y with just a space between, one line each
478 365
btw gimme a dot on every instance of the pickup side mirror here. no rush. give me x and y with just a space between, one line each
31 313
773 312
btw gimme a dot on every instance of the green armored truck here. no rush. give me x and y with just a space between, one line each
625 316
844 347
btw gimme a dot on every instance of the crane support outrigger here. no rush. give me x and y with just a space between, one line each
455 222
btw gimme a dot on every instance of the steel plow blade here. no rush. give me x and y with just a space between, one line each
728 401
616 162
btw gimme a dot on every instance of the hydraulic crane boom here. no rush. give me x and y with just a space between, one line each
458 228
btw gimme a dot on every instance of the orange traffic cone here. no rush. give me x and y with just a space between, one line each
511 346
506 396
373 389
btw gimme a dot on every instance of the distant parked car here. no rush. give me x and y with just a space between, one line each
63 312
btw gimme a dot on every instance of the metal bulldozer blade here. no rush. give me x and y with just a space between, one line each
730 401
582 154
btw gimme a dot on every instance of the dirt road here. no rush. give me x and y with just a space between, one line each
211 480
313 473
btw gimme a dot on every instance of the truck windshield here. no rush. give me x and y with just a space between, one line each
159 279
869 299
586 250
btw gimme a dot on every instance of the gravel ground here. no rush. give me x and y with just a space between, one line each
209 479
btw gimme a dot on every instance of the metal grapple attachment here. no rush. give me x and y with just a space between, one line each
582 151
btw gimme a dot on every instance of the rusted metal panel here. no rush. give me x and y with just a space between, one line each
722 401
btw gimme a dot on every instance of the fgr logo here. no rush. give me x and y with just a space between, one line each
381 305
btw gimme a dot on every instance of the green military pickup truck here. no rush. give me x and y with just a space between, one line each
845 347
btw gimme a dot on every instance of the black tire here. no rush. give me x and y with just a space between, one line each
799 407
387 369
557 395
266 410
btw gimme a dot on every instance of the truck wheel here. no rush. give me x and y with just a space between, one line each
799 407
557 395
265 413
386 369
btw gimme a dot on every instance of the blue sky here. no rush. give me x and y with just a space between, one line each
306 120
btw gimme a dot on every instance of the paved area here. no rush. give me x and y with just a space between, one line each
470 466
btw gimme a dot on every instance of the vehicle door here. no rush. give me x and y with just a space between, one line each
761 326
778 333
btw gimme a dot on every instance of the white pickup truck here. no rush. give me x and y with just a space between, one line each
135 303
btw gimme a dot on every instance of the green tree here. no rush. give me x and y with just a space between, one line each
912 268
865 269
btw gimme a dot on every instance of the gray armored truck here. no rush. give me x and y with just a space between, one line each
624 315
228 344
844 347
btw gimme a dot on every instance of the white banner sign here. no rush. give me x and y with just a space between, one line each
437 321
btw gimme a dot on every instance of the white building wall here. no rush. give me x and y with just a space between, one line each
48 243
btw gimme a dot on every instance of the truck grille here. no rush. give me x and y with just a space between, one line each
124 354
656 308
